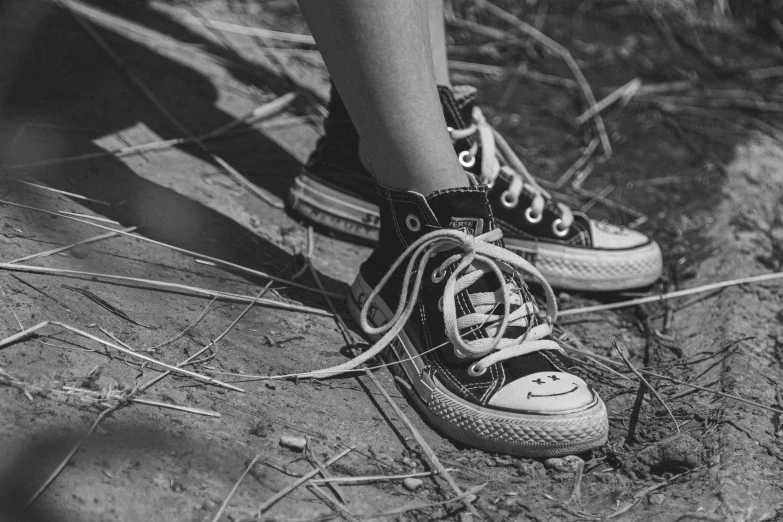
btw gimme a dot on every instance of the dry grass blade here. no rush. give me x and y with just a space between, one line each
467 497
325 474
11 308
198 319
624 93
95 239
137 391
69 194
565 55
337 506
69 456
171 286
102 396
678 381
647 384
374 478
105 305
671 295
286 490
234 489
188 373
23 334
579 163
186 409
260 112
220 262
250 31
142 148
639 495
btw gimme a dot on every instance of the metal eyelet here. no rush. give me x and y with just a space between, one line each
440 304
559 232
508 200
414 225
474 372
437 276
467 159
531 218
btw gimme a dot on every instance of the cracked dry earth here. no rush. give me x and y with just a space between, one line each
64 97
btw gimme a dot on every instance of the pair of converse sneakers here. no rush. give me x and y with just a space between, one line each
444 296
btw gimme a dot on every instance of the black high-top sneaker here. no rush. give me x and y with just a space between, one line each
446 301
572 251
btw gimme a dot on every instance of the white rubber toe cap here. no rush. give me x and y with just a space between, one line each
545 392
612 237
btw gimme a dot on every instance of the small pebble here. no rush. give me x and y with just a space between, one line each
80 251
412 484
567 464
657 499
294 443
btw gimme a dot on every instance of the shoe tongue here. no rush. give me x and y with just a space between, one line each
458 103
465 209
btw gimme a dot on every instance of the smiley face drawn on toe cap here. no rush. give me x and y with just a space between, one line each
549 392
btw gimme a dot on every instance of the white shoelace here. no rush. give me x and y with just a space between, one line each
498 156
478 256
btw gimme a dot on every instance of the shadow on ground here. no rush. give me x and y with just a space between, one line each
58 78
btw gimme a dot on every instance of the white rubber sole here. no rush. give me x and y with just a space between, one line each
333 209
520 434
564 267
589 269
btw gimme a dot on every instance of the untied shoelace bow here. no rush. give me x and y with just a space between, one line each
498 156
477 257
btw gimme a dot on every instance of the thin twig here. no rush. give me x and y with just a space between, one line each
465 498
69 194
100 397
671 295
215 260
13 312
139 390
624 93
69 456
579 163
337 506
174 286
40 291
286 490
678 381
188 373
144 148
234 489
326 475
69 247
198 319
23 334
250 31
565 55
374 478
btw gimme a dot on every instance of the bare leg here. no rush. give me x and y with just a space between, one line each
438 41
380 58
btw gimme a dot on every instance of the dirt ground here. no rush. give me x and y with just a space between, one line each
704 177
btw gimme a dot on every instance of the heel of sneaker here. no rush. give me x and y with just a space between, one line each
333 210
